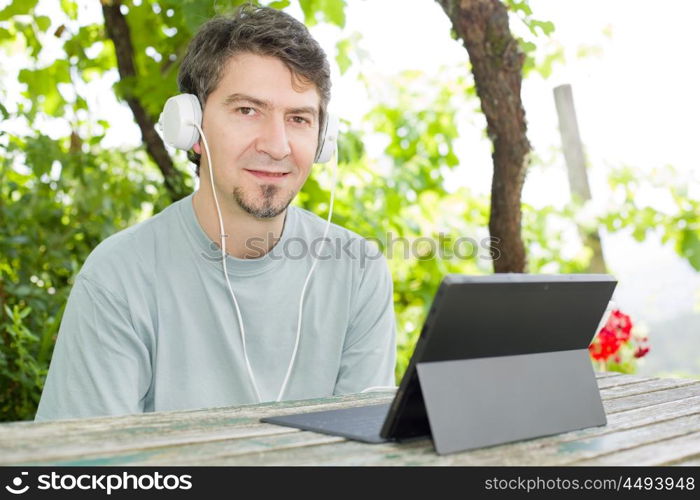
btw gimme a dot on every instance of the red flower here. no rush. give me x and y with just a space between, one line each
605 344
617 331
641 351
621 323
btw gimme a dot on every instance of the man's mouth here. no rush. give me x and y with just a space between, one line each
263 174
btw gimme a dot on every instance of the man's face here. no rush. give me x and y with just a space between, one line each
262 131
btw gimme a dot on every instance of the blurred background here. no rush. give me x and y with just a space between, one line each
80 158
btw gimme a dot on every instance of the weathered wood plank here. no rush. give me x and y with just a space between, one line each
664 452
625 440
345 453
608 382
115 444
659 384
55 440
651 398
689 462
195 454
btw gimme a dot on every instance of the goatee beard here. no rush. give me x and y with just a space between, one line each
268 209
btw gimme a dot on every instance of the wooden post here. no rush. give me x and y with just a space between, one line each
576 168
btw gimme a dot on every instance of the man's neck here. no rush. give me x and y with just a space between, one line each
248 236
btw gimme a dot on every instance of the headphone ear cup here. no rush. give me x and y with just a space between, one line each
177 120
329 139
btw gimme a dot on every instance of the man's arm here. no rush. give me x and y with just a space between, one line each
369 352
100 366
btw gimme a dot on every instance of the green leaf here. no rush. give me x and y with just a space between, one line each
17 8
33 43
70 8
195 12
334 11
41 153
42 82
80 103
53 104
279 4
6 35
547 27
43 22
309 8
22 291
342 56
690 247
519 6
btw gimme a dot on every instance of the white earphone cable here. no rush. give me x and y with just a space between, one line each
379 388
313 266
223 260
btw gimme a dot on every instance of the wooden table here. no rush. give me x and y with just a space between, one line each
651 421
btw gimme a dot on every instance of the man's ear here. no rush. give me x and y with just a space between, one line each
197 148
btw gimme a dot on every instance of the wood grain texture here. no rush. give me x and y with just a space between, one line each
662 452
650 422
693 461
25 442
651 398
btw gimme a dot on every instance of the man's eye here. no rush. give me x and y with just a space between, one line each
246 111
300 119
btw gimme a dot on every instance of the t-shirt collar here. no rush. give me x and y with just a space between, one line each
210 251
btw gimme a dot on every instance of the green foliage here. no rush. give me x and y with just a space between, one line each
677 223
330 11
547 235
539 58
347 48
17 9
56 205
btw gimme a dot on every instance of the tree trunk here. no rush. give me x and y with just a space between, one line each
497 63
118 32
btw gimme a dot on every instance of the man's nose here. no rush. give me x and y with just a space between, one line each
273 138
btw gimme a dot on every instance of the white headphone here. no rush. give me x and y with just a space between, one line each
180 123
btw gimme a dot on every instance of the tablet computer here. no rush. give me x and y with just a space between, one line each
504 316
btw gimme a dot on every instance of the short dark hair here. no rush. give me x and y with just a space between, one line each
261 31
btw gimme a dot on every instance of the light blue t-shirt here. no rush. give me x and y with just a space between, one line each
150 324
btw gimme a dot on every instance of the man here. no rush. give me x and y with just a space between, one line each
150 324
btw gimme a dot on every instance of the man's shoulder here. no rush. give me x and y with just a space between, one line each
130 248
